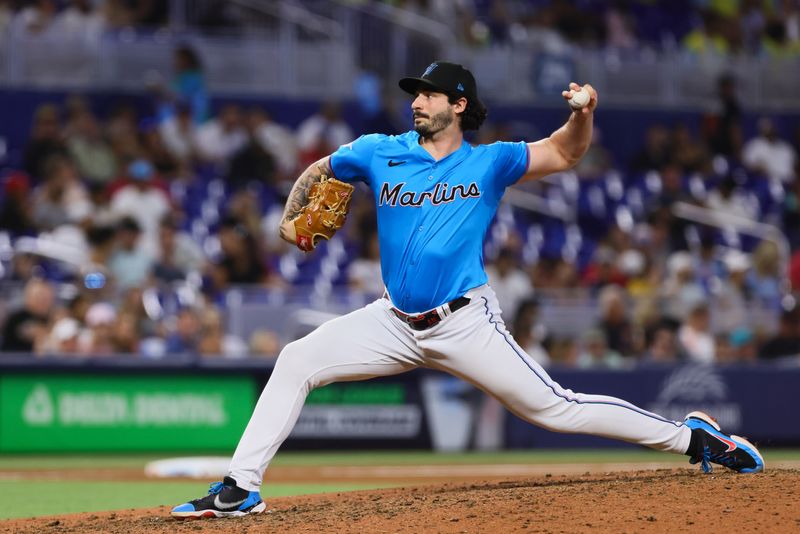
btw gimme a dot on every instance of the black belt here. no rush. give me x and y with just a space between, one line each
423 321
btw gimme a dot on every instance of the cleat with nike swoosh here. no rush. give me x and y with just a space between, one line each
224 499
733 452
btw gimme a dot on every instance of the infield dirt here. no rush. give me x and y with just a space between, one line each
664 500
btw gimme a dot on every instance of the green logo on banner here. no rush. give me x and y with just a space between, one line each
38 407
91 412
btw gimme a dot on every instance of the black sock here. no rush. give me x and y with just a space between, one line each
695 445
232 487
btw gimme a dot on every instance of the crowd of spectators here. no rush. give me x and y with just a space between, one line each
724 28
112 195
754 27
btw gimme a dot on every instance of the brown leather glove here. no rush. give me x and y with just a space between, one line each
325 213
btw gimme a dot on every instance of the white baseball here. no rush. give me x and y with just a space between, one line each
579 99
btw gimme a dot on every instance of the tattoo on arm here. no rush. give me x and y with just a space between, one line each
298 197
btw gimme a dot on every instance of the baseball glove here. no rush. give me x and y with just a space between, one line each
325 213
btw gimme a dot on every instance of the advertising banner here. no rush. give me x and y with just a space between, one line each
122 412
375 413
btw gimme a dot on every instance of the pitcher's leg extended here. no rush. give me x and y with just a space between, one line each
357 346
478 348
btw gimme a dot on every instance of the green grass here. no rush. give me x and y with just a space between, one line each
53 498
86 461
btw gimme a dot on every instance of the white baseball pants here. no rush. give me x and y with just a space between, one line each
472 343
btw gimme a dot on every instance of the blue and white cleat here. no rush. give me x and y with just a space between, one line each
224 499
733 452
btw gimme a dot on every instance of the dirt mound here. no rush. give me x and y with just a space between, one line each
673 500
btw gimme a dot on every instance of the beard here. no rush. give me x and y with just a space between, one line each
435 124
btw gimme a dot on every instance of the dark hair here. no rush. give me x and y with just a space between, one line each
473 116
189 55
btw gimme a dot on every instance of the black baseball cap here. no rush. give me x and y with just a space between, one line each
446 77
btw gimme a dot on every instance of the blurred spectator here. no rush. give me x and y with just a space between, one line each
62 198
509 281
99 320
122 131
708 37
728 199
92 155
37 16
277 140
178 133
27 326
722 129
641 280
752 19
101 239
528 332
765 277
680 292
143 201
662 344
125 336
79 19
186 336
620 27
731 299
791 211
16 211
252 162
775 41
122 13
794 270
672 185
178 253
45 140
614 322
364 273
214 341
244 206
240 262
688 152
264 343
743 343
188 85
220 138
597 160
155 151
596 353
322 133
695 334
128 264
708 268
100 198
603 270
63 338
770 155
786 341
655 153
6 14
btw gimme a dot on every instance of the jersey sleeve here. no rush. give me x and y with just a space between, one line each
352 162
511 161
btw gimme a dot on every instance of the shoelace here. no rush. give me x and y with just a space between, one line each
215 488
708 457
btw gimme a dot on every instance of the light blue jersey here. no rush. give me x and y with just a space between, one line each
432 215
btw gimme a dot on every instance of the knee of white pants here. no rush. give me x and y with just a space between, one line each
295 364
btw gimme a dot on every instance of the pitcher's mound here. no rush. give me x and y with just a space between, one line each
667 500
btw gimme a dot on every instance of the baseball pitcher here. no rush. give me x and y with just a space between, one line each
435 196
